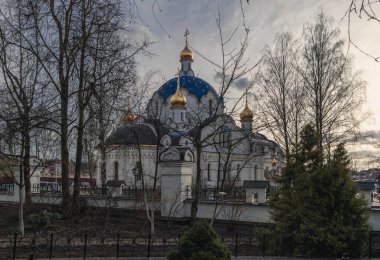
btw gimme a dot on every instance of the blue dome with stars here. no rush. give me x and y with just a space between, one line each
195 86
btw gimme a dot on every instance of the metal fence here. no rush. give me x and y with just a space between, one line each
7 188
56 245
212 193
128 192
120 245
207 193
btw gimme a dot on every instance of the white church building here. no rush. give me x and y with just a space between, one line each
184 117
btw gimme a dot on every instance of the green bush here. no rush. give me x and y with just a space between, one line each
201 243
43 218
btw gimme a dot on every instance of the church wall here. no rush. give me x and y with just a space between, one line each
229 211
126 159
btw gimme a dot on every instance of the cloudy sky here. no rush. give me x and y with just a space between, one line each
164 22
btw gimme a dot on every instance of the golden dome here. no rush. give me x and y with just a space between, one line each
178 99
129 117
246 114
274 162
186 53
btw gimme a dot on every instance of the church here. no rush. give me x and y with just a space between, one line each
186 125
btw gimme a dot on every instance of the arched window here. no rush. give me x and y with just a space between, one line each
255 172
228 139
210 107
229 172
116 171
221 140
209 171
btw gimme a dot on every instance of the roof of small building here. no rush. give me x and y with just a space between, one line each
366 185
256 184
133 134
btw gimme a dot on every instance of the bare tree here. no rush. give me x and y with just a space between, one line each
333 92
104 51
22 97
234 65
70 37
280 92
363 9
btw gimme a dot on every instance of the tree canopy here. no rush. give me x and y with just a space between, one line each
202 243
316 209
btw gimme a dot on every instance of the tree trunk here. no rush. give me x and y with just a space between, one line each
78 162
194 204
26 164
21 192
64 155
103 170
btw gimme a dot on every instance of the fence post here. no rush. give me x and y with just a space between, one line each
85 246
149 245
236 245
117 246
14 246
51 246
370 246
264 245
164 243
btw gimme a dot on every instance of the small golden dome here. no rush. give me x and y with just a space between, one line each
246 114
129 117
274 162
186 53
178 99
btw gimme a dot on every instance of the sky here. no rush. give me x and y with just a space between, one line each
164 23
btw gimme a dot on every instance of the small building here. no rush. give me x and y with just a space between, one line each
256 191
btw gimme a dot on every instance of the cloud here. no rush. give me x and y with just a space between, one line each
372 134
242 83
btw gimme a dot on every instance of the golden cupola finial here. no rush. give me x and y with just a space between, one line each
186 53
129 116
246 114
178 99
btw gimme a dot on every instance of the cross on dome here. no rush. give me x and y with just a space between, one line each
186 53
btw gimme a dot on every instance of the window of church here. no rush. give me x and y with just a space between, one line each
138 172
209 172
181 116
210 107
226 139
116 171
255 173
229 172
